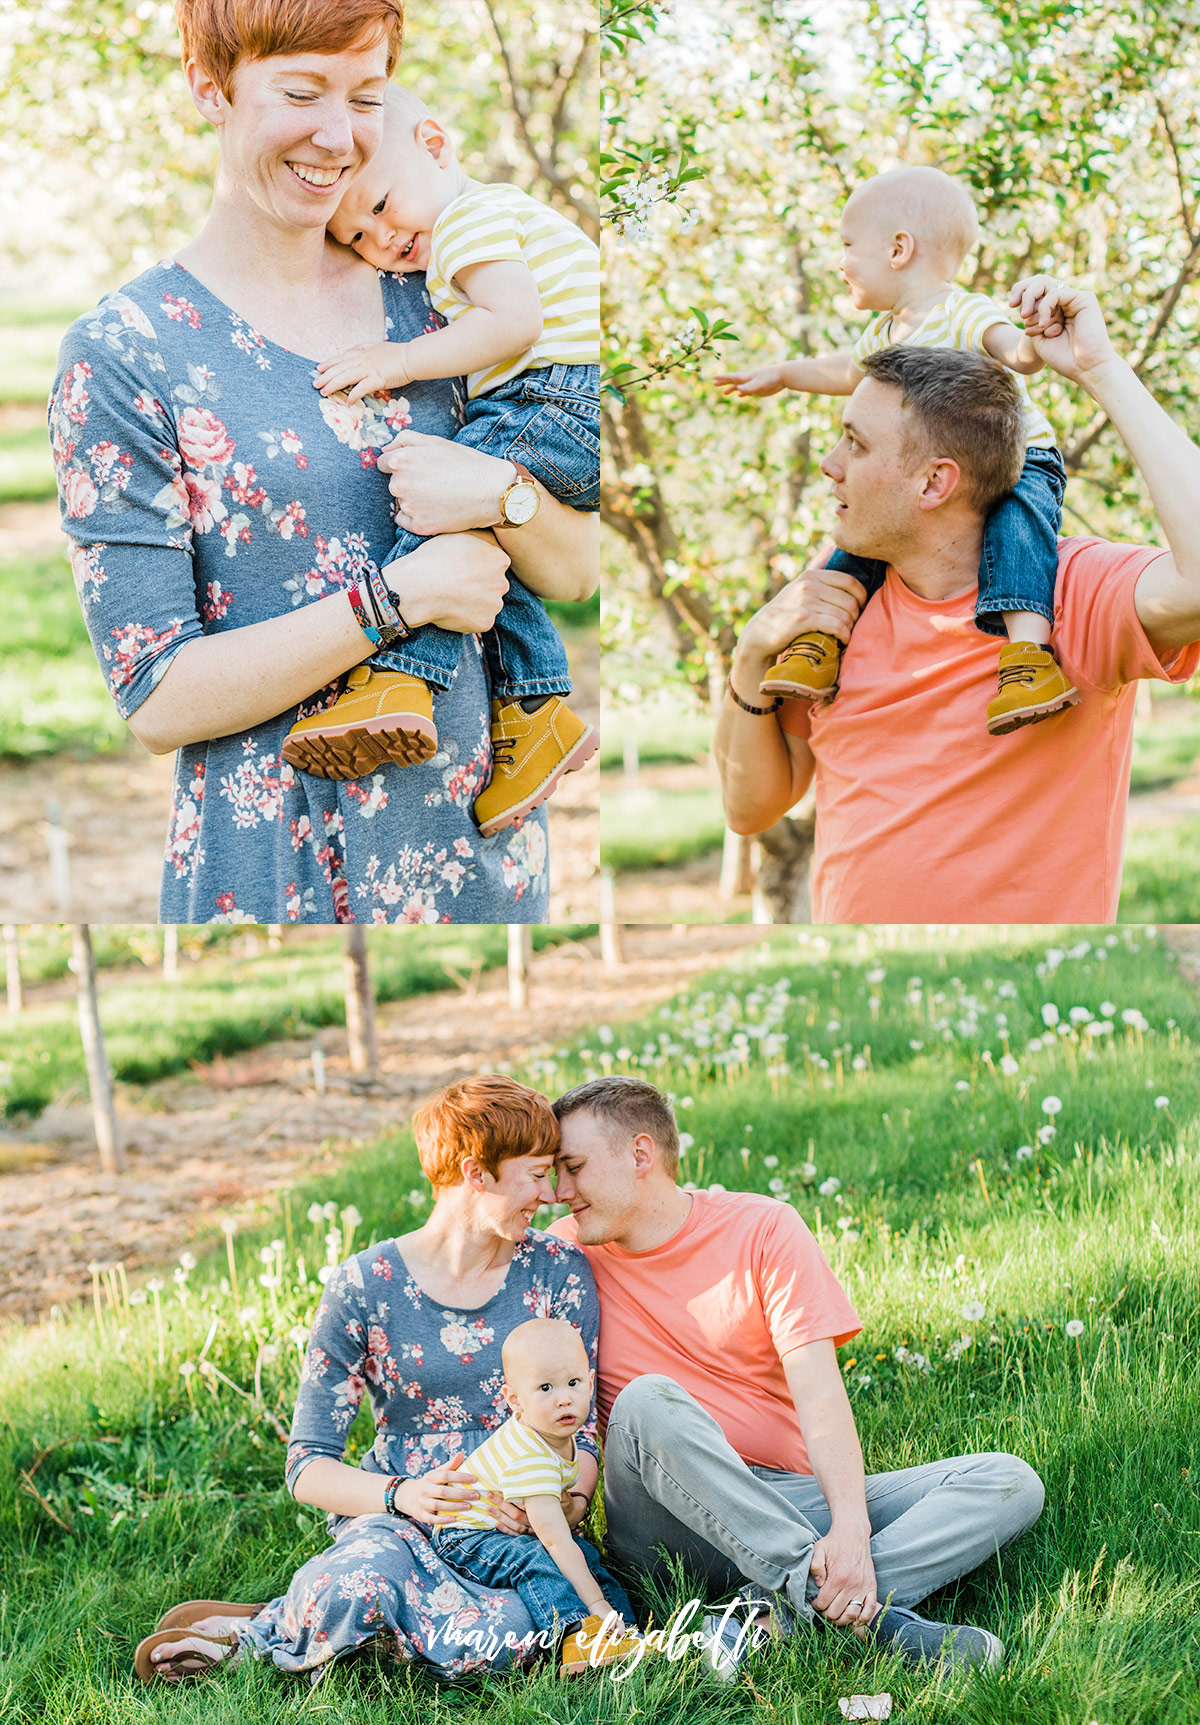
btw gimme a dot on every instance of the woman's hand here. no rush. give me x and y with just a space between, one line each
437 1495
510 1518
457 581
442 486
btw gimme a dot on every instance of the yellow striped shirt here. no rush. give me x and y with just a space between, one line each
960 320
518 1463
499 224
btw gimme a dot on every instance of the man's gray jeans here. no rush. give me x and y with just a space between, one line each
672 1478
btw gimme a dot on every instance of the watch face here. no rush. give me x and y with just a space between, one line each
520 502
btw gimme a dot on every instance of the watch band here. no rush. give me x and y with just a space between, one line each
522 471
745 705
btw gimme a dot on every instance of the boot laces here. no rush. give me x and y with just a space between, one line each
1017 674
813 651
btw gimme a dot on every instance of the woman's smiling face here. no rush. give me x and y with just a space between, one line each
298 127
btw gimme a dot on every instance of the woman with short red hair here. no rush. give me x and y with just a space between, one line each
228 523
416 1325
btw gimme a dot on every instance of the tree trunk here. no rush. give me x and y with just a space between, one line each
108 1141
520 951
360 1003
12 967
737 874
170 953
786 851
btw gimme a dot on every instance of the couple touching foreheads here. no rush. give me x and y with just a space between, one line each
697 1329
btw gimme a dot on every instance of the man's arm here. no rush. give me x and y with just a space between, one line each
841 1562
1067 329
764 771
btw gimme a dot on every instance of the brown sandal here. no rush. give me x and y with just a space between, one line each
192 1610
190 1662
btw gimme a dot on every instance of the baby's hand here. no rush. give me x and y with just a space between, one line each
767 380
363 370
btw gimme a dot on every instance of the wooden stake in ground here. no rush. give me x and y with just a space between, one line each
360 1004
108 1141
611 956
170 953
520 951
12 967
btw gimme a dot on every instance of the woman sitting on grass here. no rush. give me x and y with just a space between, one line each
416 1325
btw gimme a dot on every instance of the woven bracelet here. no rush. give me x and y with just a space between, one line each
386 609
360 599
745 705
389 1494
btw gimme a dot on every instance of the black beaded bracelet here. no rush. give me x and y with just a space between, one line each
745 705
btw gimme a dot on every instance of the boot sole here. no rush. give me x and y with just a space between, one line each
1013 721
797 691
583 751
349 751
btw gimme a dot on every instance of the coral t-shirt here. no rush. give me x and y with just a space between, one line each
714 1307
922 816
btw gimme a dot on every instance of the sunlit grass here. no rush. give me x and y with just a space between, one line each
1161 877
1045 1303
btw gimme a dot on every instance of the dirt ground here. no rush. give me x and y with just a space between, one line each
114 807
218 1143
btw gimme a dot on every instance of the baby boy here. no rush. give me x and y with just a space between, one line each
531 1461
905 235
519 287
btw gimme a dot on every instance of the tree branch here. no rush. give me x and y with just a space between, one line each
587 212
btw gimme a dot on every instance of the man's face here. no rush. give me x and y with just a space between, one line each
877 488
596 1177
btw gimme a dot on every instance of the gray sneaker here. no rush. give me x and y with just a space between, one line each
921 1641
732 1634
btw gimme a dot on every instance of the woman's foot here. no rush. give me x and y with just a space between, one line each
177 1655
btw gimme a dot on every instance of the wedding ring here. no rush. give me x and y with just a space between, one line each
858 1602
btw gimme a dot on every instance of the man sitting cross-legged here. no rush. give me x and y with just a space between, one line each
729 1439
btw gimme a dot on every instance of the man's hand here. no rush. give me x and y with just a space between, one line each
841 1565
767 380
825 599
1065 325
442 486
363 370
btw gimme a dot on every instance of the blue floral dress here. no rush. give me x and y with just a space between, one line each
206 485
432 1376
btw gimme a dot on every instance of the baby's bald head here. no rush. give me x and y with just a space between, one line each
936 210
542 1348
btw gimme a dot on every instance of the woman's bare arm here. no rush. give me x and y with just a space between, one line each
222 684
446 487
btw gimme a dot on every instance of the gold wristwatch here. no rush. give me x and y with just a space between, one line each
519 503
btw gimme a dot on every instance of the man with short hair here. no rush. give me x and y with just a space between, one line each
729 1438
921 814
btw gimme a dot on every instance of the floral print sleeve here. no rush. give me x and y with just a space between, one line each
125 505
332 1379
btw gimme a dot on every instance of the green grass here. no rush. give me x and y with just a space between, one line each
153 1028
55 698
29 343
646 828
881 1084
1168 748
663 736
26 469
1161 877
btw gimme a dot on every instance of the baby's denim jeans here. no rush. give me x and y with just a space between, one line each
521 1561
549 420
1019 566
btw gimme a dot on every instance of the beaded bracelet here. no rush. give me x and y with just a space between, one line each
389 1494
745 705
